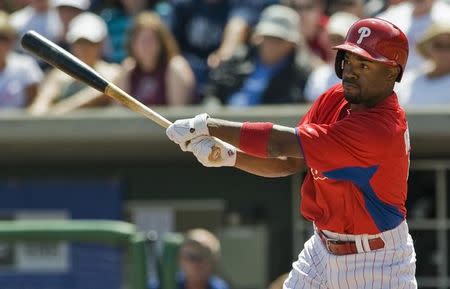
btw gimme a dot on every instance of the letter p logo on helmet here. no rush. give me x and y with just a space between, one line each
363 33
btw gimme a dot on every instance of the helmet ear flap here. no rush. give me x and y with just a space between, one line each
399 76
338 63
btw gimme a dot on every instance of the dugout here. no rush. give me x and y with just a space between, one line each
257 218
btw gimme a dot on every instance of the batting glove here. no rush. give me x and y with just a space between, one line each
212 152
183 130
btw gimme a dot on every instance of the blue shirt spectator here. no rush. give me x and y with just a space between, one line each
256 83
206 28
271 71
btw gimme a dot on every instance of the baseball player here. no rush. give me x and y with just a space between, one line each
354 144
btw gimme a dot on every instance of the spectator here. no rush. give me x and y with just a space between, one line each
10 6
355 7
156 73
374 7
19 74
119 18
312 25
268 72
430 85
67 11
60 92
198 257
323 77
414 17
211 30
39 16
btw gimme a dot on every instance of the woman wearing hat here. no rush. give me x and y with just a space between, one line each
430 85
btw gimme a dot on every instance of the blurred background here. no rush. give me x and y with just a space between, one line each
95 196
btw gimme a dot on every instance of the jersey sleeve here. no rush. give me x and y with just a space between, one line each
357 140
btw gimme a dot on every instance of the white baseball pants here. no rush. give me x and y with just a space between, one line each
393 266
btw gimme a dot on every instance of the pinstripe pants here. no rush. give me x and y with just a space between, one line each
393 266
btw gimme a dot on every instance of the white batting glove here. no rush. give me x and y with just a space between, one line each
183 130
212 152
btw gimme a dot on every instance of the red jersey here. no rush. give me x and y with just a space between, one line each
358 163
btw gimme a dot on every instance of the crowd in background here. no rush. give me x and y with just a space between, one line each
210 52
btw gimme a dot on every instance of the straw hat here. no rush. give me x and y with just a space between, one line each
435 29
5 25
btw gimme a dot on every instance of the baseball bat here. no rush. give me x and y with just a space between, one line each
65 61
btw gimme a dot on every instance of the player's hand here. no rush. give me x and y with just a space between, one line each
212 152
184 130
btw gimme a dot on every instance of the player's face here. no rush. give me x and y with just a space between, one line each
365 82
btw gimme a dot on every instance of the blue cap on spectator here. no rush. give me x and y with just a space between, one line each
279 21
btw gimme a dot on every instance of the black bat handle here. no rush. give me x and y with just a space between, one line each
62 59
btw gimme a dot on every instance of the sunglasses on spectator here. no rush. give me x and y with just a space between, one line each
194 257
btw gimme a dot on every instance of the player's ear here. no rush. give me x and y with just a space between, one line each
394 72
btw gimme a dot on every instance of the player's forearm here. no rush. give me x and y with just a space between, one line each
228 131
269 167
282 141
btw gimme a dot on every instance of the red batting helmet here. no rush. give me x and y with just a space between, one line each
377 40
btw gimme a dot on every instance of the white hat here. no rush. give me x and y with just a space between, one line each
340 22
279 21
80 4
87 26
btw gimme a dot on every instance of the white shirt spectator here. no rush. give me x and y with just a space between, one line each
46 23
414 27
321 78
417 89
20 72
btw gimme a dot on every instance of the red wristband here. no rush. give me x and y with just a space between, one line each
254 138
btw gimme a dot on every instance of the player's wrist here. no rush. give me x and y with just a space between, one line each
200 125
254 138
